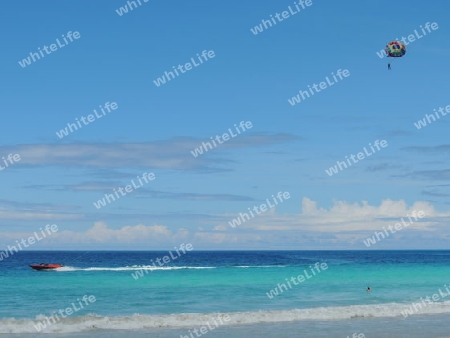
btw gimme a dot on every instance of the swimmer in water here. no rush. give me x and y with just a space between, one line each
368 289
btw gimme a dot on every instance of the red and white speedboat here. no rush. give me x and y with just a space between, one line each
44 266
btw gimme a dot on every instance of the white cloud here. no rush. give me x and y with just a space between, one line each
137 234
344 224
344 216
174 153
37 215
221 228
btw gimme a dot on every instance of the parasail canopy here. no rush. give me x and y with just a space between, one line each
395 49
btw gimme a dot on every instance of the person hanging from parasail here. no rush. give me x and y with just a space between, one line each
395 49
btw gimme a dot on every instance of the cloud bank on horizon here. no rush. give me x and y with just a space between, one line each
342 225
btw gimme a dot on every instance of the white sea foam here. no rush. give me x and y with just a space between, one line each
132 268
262 266
141 322
152 267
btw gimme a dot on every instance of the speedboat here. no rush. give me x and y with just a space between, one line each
44 266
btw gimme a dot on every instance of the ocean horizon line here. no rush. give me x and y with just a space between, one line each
238 250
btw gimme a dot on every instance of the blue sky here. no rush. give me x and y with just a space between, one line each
251 77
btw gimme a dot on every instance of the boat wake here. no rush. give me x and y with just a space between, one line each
132 268
152 267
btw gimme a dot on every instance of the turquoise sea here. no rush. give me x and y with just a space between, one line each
200 289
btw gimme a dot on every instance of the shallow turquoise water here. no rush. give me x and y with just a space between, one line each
214 283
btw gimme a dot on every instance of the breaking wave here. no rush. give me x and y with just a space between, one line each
94 322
